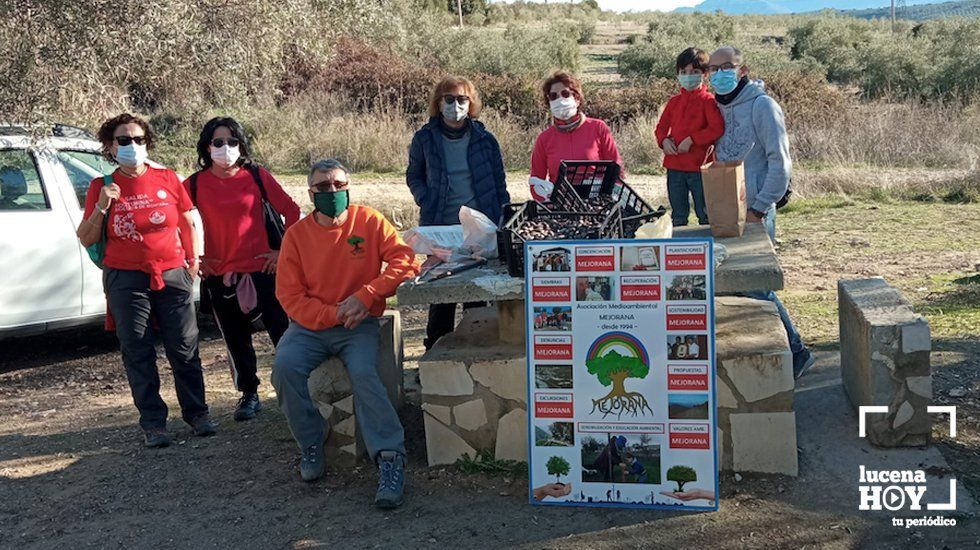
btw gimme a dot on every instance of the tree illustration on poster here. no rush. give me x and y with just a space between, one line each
681 475
612 368
558 466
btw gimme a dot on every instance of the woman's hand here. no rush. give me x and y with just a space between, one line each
271 260
669 147
206 269
193 268
108 194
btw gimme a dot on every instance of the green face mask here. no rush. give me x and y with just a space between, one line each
331 203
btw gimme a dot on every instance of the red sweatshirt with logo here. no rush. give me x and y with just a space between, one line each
691 114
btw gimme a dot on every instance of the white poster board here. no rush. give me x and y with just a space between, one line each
621 396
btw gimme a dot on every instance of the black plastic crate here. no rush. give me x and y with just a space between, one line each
566 199
512 236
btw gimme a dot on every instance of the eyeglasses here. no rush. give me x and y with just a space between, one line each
722 67
566 93
220 142
327 186
126 140
461 99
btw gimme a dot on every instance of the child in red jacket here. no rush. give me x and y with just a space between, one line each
691 123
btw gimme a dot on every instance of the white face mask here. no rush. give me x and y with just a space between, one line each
564 108
225 155
131 155
455 111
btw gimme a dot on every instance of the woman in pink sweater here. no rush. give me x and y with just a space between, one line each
573 136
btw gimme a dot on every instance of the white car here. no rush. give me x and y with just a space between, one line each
47 281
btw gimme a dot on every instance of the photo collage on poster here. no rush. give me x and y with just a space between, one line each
621 373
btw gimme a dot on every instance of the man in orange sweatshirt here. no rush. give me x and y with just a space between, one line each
332 286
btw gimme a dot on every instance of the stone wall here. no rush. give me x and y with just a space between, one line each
474 392
331 392
885 350
754 387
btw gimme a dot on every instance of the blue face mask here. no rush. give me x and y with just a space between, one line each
689 82
724 81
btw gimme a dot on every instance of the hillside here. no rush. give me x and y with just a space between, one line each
770 7
961 8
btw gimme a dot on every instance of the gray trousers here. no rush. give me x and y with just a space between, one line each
301 350
136 309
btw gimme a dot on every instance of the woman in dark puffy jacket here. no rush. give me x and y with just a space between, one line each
454 161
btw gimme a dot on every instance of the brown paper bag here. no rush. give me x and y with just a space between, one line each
724 197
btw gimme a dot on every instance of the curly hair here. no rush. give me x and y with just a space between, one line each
108 129
237 132
568 80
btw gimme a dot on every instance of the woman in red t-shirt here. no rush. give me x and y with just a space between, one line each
239 263
573 136
149 268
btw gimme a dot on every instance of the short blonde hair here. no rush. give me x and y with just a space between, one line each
448 83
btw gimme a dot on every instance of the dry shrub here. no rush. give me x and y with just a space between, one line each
906 134
314 126
620 105
805 98
637 145
369 77
515 139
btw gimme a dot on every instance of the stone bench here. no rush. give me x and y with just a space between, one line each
474 392
331 392
754 388
884 348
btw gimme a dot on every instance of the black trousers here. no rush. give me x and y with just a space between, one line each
141 313
236 327
442 321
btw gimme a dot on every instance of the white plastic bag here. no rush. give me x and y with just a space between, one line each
479 233
440 241
660 229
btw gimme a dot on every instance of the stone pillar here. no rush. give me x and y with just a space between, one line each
510 321
884 348
331 392
754 388
474 392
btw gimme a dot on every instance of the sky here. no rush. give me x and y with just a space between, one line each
638 5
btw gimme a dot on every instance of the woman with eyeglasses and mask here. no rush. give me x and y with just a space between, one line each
454 161
150 262
572 136
239 263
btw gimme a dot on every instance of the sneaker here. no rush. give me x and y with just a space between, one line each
391 480
312 464
248 406
203 426
155 438
802 362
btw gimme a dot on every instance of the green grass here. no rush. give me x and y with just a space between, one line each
926 250
485 463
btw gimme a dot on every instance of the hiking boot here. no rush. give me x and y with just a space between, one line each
312 463
802 362
155 438
391 480
203 426
248 406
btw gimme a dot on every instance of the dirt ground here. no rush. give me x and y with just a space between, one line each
73 472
